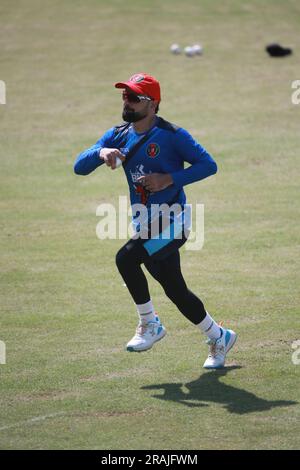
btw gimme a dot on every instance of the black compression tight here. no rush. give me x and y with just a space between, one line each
166 270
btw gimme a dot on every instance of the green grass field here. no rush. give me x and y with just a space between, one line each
68 382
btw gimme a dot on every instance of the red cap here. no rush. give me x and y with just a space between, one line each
142 84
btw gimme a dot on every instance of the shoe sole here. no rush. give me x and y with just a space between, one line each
131 348
229 346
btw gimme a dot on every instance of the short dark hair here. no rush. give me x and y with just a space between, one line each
157 109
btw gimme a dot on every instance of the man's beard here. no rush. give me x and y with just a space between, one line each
129 115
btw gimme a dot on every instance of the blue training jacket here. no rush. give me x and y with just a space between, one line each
165 151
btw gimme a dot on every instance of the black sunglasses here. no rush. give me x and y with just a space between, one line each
133 98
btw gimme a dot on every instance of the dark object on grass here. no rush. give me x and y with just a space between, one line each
275 50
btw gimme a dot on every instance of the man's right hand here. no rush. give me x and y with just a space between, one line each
110 155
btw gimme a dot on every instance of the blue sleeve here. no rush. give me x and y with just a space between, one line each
202 164
88 160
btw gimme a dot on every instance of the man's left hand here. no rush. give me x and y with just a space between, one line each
156 181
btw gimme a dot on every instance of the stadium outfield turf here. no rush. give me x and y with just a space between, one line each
66 317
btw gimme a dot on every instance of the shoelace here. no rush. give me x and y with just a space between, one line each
213 344
212 349
141 329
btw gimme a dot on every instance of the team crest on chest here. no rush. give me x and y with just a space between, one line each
153 150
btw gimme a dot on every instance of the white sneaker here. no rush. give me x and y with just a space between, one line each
219 348
146 335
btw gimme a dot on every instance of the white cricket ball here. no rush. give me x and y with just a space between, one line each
175 49
118 162
189 51
198 49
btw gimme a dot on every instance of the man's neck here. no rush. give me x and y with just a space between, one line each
144 124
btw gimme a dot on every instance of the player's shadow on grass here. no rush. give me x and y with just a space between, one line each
208 388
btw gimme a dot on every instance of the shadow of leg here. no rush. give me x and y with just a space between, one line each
208 388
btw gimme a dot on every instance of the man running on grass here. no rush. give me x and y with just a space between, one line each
153 152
